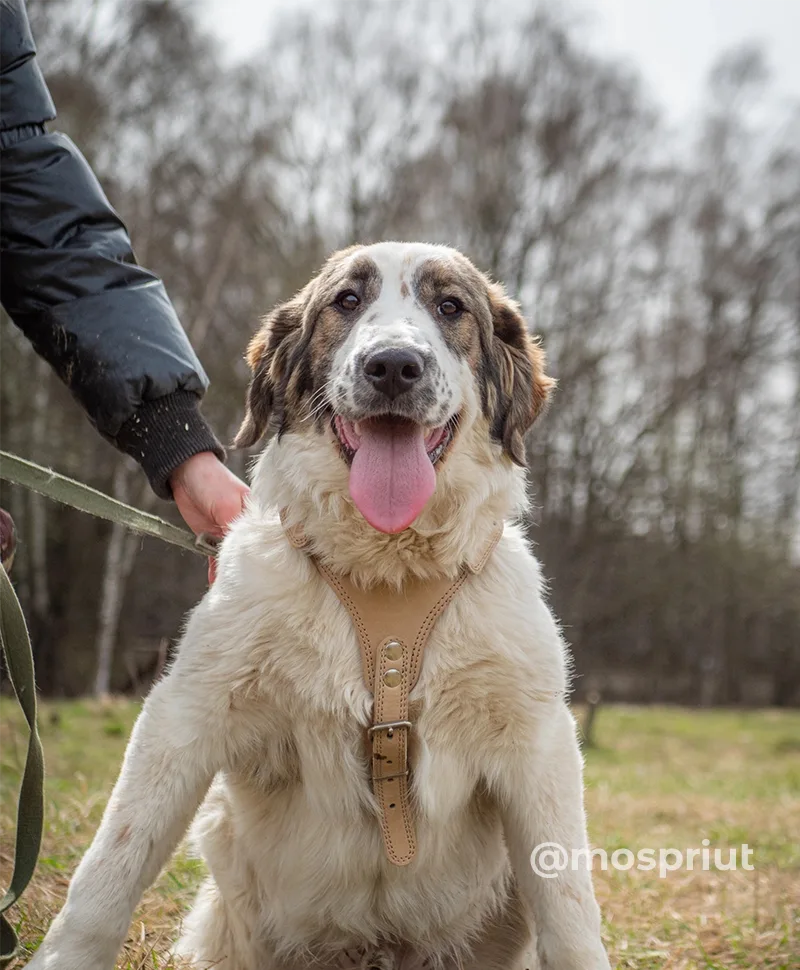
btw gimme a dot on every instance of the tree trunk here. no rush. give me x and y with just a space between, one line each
41 614
119 560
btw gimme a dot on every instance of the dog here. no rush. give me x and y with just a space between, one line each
396 389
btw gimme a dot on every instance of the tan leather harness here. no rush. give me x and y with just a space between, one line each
393 627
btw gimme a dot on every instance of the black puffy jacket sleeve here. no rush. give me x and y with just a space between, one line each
70 281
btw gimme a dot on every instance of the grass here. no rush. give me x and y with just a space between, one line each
656 778
669 778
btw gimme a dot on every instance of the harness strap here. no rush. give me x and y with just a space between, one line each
30 812
393 627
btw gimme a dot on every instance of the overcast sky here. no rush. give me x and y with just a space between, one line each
672 42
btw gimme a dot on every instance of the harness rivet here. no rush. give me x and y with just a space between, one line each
392 677
393 650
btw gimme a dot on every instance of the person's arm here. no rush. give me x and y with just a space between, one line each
71 283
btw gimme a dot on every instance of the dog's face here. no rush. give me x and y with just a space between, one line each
388 356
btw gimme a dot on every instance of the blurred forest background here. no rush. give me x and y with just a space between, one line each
662 269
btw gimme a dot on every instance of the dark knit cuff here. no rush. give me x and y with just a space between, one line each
163 434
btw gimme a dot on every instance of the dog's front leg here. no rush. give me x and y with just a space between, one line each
168 767
542 798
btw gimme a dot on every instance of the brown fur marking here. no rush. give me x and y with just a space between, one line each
291 355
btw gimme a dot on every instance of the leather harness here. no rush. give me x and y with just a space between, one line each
393 627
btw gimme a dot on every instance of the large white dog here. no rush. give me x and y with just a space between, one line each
400 383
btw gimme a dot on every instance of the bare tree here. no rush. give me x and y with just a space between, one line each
664 277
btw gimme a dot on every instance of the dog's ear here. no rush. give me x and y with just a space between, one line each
518 388
268 355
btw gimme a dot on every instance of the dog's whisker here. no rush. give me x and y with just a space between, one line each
318 406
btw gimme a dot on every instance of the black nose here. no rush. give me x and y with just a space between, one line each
394 371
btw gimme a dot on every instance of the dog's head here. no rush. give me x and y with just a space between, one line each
395 356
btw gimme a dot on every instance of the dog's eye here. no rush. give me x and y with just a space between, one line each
450 308
347 300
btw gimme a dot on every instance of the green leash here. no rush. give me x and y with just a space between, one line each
30 808
19 658
67 491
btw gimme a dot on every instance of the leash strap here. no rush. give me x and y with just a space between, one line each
393 627
30 809
16 648
67 491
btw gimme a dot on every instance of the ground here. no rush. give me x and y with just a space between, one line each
656 778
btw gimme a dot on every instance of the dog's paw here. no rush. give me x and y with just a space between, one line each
61 955
563 955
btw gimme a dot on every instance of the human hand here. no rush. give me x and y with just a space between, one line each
209 497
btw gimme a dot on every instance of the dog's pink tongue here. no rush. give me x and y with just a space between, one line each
391 477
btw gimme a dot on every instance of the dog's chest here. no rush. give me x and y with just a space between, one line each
300 799
326 759
306 818
304 674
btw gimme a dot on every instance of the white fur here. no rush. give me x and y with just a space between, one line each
262 718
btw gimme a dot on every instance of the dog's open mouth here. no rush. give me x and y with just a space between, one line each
392 474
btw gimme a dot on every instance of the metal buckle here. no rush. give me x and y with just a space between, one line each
388 726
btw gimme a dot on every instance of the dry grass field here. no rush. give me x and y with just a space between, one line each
657 778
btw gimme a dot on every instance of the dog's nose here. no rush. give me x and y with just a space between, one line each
394 371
